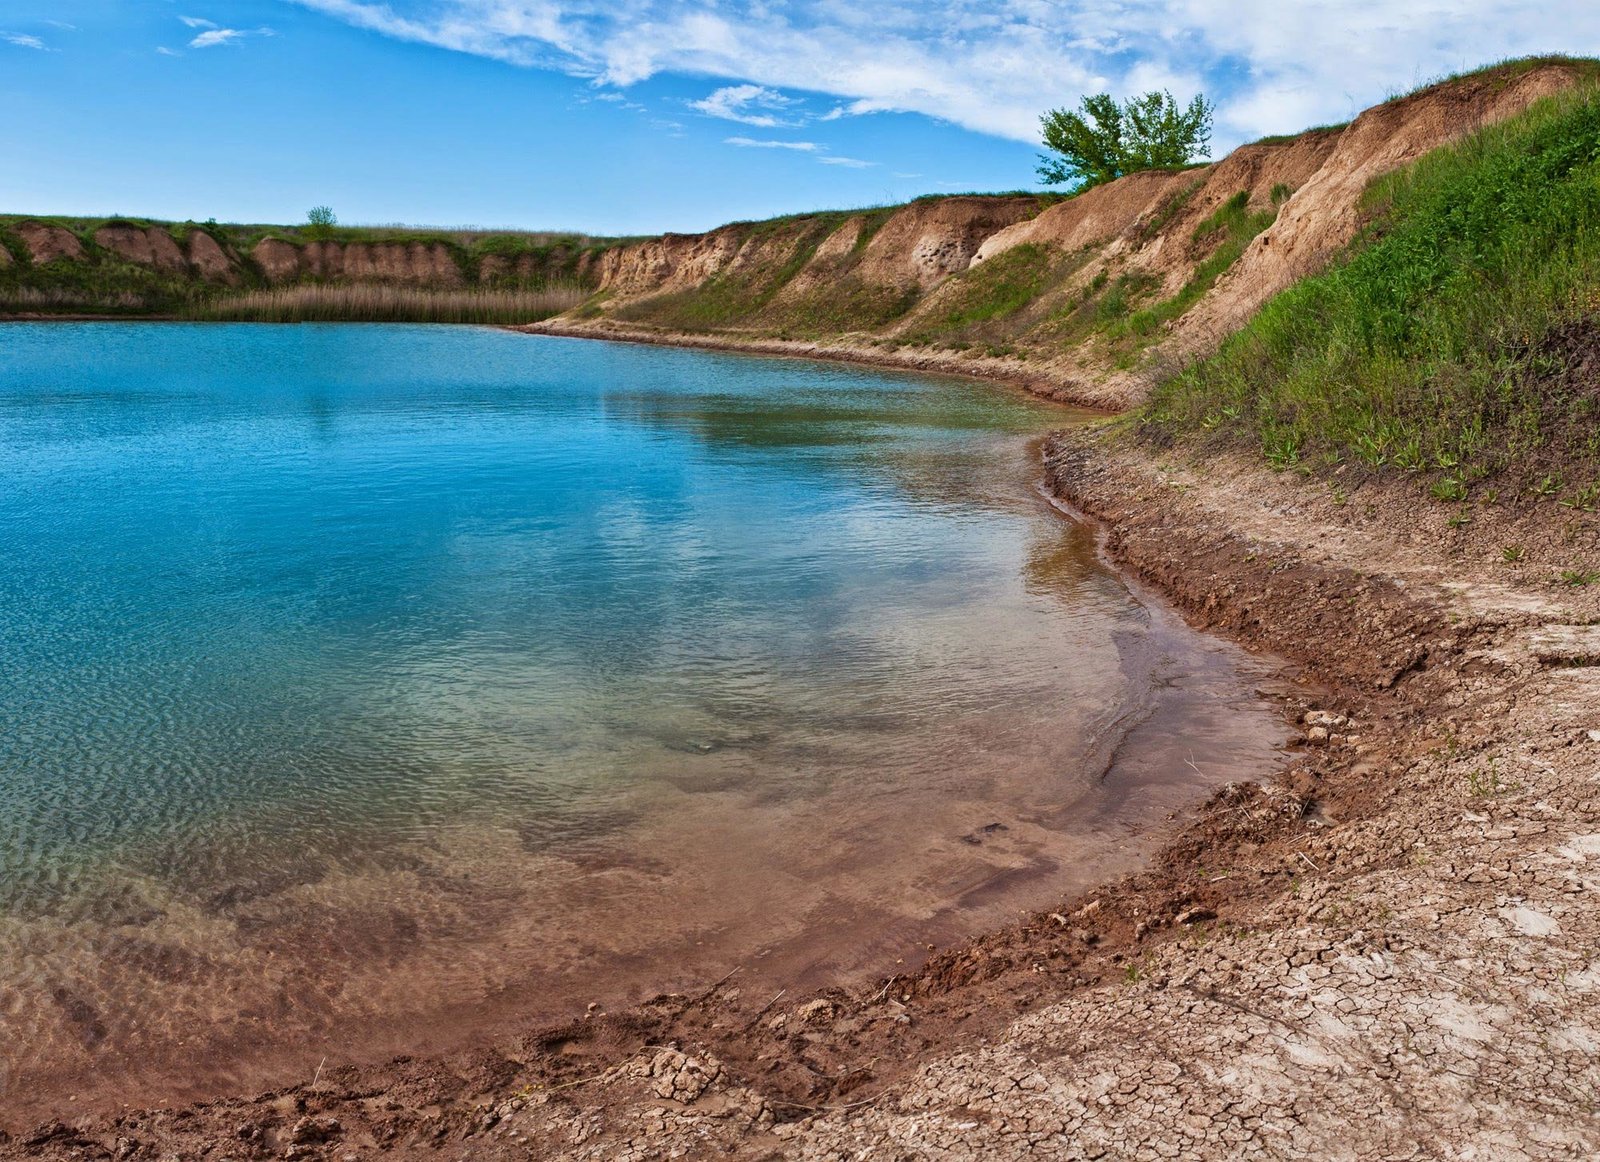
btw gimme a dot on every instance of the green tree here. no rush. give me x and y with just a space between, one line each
322 220
1104 140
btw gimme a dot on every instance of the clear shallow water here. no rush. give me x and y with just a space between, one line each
354 673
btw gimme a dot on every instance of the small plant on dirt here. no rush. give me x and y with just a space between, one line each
1584 499
1486 783
1578 578
1462 517
1373 448
1449 488
1548 486
1409 455
1513 554
1282 453
1340 496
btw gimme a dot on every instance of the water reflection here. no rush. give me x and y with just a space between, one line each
348 665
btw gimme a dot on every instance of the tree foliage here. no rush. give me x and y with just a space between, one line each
1104 140
322 220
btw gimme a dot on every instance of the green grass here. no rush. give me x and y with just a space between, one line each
1286 138
1439 342
1503 73
995 289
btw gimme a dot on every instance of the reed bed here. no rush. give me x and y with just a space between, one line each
392 304
56 300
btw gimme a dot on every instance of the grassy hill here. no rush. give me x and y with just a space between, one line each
1457 339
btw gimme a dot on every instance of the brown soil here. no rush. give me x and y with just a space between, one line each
209 259
1342 922
153 247
48 243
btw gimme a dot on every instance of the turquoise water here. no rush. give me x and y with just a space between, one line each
340 664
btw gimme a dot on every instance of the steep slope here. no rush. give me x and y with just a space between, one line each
1085 297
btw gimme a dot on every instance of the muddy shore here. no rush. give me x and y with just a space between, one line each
1389 950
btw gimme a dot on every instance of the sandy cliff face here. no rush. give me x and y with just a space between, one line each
153 247
919 244
416 264
928 241
49 243
209 260
1152 238
1324 214
670 263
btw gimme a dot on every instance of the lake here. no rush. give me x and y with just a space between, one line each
364 686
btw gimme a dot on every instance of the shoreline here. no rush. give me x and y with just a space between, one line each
980 368
1383 842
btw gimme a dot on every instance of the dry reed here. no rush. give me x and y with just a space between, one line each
366 303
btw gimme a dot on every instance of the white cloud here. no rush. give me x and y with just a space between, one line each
198 22
163 50
741 103
214 37
848 162
994 65
21 40
749 143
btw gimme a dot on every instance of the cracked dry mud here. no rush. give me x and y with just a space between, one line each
1391 952
1427 982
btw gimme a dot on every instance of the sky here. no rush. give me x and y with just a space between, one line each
639 116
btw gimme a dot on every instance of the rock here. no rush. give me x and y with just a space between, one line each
679 1077
1325 718
308 1131
815 1010
1195 915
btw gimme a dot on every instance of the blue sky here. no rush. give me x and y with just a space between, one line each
634 116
